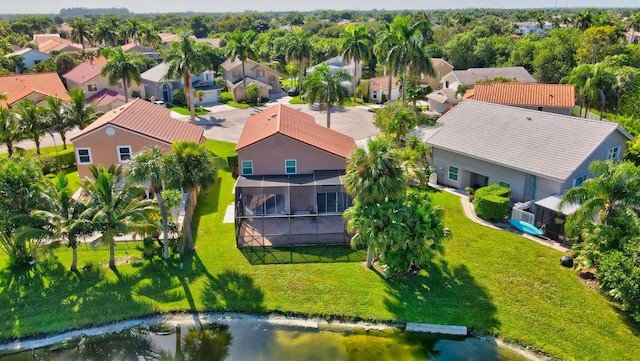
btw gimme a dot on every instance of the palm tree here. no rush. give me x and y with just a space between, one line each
78 111
115 211
9 131
241 46
62 215
183 59
120 67
189 167
298 47
149 36
633 22
356 46
131 29
374 176
148 166
326 88
57 120
31 121
80 32
105 34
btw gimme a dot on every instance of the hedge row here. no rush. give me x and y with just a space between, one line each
492 202
57 162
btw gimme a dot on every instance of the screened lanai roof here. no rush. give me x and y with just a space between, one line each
318 178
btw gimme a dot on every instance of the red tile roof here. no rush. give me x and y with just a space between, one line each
548 95
148 119
18 86
83 73
383 83
297 125
106 97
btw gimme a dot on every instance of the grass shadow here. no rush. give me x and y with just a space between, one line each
302 254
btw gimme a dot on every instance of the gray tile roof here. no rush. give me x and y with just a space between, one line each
470 76
157 73
541 143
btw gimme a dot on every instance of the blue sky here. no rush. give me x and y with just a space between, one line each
163 6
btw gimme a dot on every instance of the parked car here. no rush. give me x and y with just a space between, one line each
293 92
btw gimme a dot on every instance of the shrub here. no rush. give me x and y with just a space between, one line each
57 162
494 189
491 202
232 161
253 93
179 98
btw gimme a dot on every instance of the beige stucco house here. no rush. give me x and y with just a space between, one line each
441 68
290 189
87 77
267 79
122 132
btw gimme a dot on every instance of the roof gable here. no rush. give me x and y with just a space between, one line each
297 125
548 95
147 119
18 86
83 73
500 134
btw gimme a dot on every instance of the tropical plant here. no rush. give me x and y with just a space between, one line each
57 120
297 47
79 112
356 46
189 167
115 211
120 67
31 121
105 34
148 166
326 88
241 46
633 22
131 29
80 32
9 131
148 36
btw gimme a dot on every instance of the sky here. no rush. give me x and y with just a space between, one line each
215 6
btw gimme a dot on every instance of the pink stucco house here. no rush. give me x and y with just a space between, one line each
122 132
290 189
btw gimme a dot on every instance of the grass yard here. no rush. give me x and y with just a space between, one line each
185 111
226 98
492 281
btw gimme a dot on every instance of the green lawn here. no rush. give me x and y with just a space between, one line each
185 111
226 98
32 152
492 281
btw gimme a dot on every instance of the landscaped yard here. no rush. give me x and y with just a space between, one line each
489 280
185 111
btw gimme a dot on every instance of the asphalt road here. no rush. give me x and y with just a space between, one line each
225 123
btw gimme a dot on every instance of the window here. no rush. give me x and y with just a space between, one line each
119 85
84 155
579 180
375 94
290 166
333 202
247 167
614 153
504 184
124 153
36 62
260 73
92 87
453 173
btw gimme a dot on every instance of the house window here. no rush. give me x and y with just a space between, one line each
119 85
92 87
36 62
84 155
124 153
333 202
579 180
247 167
504 184
260 73
446 84
614 153
375 94
453 173
290 166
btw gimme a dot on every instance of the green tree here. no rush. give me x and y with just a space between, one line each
633 23
357 46
57 120
555 55
31 121
148 166
326 88
189 167
79 112
105 34
131 29
619 274
9 131
148 36
240 46
120 67
297 47
598 42
80 32
116 211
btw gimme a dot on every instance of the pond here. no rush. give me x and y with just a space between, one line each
237 340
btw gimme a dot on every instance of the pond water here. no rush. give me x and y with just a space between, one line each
240 340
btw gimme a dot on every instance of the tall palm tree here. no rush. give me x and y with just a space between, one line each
80 32
78 111
62 215
419 62
241 46
326 88
589 81
374 176
147 166
115 211
31 121
57 120
106 34
356 46
189 167
9 131
120 67
183 59
131 29
148 36
298 47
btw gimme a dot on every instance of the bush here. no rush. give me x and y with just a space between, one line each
492 202
179 98
253 93
57 162
232 161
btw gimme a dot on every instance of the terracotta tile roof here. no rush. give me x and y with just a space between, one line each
548 95
106 97
18 86
382 83
39 39
297 125
99 61
145 118
83 73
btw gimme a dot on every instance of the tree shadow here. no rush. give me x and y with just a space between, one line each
442 295
302 254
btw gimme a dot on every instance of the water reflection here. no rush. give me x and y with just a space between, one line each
255 340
